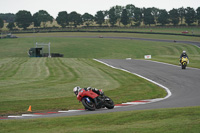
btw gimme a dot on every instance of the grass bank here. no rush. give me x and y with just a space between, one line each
177 120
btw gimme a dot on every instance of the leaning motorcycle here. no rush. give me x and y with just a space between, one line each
92 100
184 62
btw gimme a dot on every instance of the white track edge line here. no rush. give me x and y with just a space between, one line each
30 115
12 116
70 111
162 86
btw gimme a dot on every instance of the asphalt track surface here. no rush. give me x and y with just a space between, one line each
183 84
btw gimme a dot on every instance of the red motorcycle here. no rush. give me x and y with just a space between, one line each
92 100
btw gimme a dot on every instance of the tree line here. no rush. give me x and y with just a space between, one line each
126 15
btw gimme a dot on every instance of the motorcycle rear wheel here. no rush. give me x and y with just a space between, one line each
88 105
109 104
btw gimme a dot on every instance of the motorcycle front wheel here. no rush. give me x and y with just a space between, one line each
109 104
183 66
88 104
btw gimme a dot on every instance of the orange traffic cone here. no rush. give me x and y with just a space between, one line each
29 109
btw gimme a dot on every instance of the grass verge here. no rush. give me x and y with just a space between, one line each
176 120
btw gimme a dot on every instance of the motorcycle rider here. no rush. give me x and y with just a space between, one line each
77 89
97 100
183 55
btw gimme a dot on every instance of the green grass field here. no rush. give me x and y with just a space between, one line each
47 83
180 120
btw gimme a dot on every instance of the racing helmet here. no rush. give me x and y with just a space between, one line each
184 52
76 90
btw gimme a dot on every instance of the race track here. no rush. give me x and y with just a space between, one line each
183 84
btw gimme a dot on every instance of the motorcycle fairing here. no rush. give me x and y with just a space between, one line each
84 93
184 59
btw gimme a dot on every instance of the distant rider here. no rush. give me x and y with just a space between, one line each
77 89
183 55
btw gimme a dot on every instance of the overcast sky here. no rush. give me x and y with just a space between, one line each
90 6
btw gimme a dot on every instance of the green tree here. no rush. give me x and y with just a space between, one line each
118 12
124 17
99 18
163 17
189 15
155 12
23 19
130 12
36 20
148 17
88 19
43 17
1 23
174 16
63 19
11 25
106 15
198 15
137 16
181 12
75 18
112 16
8 17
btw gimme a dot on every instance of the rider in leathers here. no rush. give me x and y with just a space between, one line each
97 100
77 89
183 55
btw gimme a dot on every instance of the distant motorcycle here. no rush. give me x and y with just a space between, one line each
184 62
92 100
